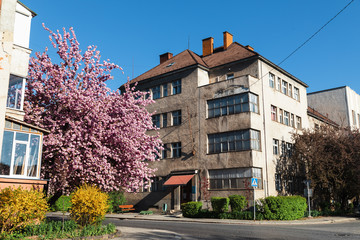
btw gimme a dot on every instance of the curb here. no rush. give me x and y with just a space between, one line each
304 221
312 221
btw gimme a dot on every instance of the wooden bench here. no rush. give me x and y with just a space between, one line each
126 208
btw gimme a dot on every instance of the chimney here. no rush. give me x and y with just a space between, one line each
208 46
249 47
164 57
228 39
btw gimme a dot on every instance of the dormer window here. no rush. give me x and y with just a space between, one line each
15 97
229 76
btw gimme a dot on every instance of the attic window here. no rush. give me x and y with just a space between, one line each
170 64
229 76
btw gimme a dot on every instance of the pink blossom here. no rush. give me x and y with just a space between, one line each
96 135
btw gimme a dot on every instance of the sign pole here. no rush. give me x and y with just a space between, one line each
308 193
254 184
254 205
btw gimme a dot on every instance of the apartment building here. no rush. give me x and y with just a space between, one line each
224 117
341 104
20 142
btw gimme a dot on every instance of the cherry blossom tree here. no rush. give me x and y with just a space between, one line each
97 136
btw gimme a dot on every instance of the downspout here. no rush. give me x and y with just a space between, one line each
265 147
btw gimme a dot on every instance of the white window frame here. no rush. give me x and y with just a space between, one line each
22 93
271 80
27 155
296 94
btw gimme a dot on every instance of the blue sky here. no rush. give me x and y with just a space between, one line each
134 33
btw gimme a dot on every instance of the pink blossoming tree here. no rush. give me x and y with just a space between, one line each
97 136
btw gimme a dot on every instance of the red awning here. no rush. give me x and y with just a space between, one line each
178 180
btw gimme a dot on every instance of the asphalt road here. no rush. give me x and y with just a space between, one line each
143 229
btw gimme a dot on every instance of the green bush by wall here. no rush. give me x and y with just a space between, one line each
116 198
220 204
237 202
63 204
283 207
191 209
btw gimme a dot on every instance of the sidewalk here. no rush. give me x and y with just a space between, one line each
180 218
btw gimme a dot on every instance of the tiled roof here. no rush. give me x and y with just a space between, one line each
233 53
184 59
321 117
188 58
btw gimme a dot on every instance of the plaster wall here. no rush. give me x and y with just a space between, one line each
275 129
332 103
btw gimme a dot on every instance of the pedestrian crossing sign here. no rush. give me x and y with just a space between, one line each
254 182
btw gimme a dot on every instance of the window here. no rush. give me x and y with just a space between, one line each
234 178
164 120
271 80
156 92
176 87
284 87
317 127
229 76
234 141
290 90
298 122
275 146
156 120
15 97
292 121
289 148
286 118
20 154
354 117
358 119
147 93
233 104
176 117
176 150
273 113
254 103
280 115
156 184
164 90
278 84
296 94
164 151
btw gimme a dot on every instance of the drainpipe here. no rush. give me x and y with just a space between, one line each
265 147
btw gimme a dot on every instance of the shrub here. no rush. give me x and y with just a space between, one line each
237 202
89 205
283 207
220 204
20 208
116 198
63 204
191 209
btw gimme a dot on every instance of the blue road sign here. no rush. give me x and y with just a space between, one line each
254 182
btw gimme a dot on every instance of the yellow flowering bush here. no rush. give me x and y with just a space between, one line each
89 205
21 207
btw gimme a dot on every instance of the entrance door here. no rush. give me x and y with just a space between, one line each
186 192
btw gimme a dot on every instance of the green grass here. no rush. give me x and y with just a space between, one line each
58 229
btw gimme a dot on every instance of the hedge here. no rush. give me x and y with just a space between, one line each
237 203
283 207
191 209
220 204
